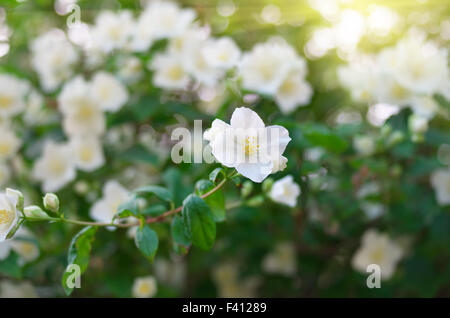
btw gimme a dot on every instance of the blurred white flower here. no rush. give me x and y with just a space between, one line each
293 92
165 19
364 145
417 124
440 180
82 114
169 72
9 142
372 209
266 66
130 69
144 287
88 153
424 106
377 248
12 95
55 168
53 58
230 285
247 144
285 191
114 194
17 290
8 214
113 30
282 260
24 245
108 91
221 53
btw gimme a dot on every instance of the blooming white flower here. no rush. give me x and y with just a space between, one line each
88 153
294 91
440 180
169 72
8 214
114 194
165 19
247 144
108 92
82 114
55 168
9 142
113 30
365 145
130 69
282 260
53 58
12 95
221 53
266 66
144 287
285 191
377 248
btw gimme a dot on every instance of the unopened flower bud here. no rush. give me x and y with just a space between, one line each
34 211
51 202
19 197
247 188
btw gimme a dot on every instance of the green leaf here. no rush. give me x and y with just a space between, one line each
214 176
178 230
160 192
199 221
139 153
154 210
322 136
128 208
216 201
174 181
79 253
147 241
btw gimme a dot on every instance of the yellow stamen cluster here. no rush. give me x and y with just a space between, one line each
251 145
4 217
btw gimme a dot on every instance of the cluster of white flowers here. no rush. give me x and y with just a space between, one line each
407 74
274 68
256 151
83 105
378 248
53 58
13 101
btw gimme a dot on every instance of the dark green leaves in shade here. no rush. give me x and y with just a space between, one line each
215 201
147 241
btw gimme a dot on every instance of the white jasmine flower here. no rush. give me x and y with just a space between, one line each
108 92
55 168
130 69
88 153
364 145
247 144
372 209
53 58
113 30
114 194
23 244
144 287
82 114
4 174
282 260
169 72
12 95
165 19
440 180
17 290
377 248
9 142
285 191
417 124
8 214
424 106
222 53
294 91
201 70
266 66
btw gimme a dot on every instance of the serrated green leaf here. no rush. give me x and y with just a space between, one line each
79 253
178 230
147 241
199 221
215 201
161 192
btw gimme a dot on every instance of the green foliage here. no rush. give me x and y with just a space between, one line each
147 241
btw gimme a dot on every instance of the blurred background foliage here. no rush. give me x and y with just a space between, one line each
326 226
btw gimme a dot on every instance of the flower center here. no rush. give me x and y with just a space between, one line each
5 217
175 73
86 154
251 145
399 92
5 148
5 102
378 256
144 289
57 167
288 87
